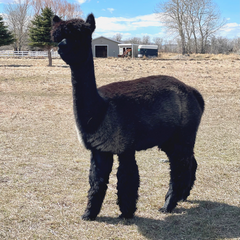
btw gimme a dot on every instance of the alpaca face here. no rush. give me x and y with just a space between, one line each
74 38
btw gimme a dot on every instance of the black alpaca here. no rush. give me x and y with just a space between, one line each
124 117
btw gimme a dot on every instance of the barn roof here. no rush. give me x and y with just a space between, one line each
107 39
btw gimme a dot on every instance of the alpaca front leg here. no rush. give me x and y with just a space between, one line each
100 169
128 184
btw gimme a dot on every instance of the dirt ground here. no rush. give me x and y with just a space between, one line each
44 169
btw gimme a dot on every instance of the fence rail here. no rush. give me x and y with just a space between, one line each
28 54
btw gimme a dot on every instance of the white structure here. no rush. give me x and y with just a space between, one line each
128 49
148 50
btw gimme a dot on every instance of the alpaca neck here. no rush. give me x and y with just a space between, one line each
87 103
83 81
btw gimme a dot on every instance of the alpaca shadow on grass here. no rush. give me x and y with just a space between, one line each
207 220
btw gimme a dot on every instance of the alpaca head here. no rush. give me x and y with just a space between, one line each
74 38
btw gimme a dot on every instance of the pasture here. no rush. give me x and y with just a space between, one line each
44 169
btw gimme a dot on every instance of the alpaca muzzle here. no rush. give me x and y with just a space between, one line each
64 50
62 46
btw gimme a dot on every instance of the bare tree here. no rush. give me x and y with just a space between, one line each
236 45
146 39
208 21
221 45
190 25
118 37
158 41
134 40
62 8
173 12
194 21
18 19
170 46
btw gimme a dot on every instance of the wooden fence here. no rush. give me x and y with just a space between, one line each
35 54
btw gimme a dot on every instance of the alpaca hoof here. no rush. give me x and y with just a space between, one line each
87 217
129 216
185 196
164 210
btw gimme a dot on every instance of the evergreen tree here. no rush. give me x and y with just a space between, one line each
39 32
6 37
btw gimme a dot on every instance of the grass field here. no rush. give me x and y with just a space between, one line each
44 169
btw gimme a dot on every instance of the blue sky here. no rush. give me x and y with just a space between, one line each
137 18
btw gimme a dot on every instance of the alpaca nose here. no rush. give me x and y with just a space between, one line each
63 44
63 47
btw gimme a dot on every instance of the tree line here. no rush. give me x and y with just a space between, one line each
195 22
215 44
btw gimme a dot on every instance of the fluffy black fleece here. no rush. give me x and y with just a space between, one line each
124 117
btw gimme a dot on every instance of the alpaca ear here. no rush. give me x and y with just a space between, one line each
91 21
56 19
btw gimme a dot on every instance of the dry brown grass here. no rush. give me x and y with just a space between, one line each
44 171
174 56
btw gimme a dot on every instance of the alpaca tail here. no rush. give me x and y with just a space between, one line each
199 99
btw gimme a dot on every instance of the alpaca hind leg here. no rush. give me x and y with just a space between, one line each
128 184
101 167
193 168
183 167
